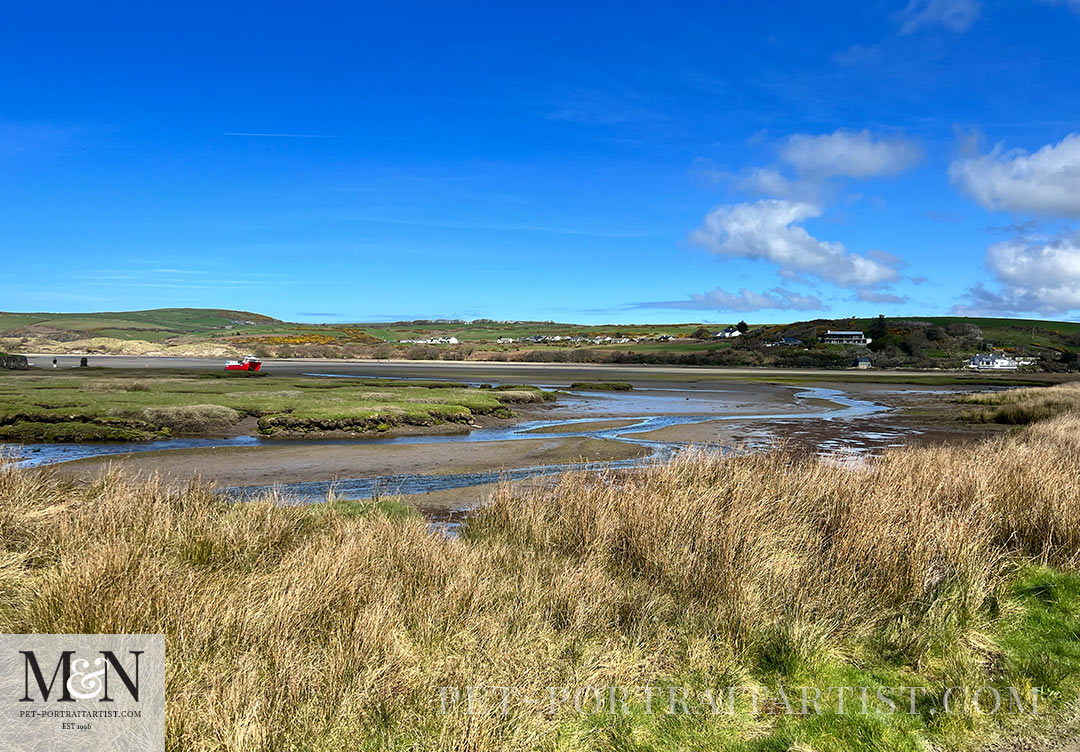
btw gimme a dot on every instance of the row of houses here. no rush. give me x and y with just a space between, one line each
431 341
993 361
576 339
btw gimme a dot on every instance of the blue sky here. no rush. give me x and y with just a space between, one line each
589 162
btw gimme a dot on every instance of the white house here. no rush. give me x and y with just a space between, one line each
841 337
728 333
992 362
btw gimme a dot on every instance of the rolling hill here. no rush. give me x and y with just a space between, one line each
913 341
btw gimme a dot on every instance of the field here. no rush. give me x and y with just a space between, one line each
350 626
111 404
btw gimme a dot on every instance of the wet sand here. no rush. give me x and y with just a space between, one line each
267 465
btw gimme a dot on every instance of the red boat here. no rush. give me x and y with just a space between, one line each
249 363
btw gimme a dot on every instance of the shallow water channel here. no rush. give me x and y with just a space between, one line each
636 412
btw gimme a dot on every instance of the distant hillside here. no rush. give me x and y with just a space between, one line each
906 342
150 326
929 341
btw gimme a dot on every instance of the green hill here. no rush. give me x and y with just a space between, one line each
152 326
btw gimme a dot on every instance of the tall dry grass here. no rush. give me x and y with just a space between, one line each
1023 406
302 628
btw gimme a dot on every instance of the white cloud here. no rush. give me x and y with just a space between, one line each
1046 182
855 154
743 301
1041 277
769 230
957 15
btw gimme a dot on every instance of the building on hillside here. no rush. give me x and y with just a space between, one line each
785 342
841 337
863 363
728 333
992 362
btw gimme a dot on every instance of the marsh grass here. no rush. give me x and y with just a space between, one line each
86 407
334 626
1023 406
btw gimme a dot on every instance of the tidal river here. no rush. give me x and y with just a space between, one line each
647 424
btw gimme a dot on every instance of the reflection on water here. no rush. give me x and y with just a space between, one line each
649 410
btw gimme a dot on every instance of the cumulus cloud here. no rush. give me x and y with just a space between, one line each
743 301
1034 276
855 154
957 15
770 230
1046 182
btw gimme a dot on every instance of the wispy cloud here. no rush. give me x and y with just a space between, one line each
278 135
743 301
26 138
1074 4
496 226
217 285
955 15
874 296
167 278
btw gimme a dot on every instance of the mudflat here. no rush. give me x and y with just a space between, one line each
267 465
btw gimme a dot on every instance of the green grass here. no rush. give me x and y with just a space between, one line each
1035 638
601 386
108 404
